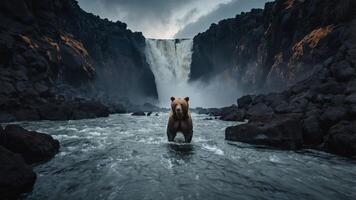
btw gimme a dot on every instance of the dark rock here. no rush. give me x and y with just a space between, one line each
149 113
54 112
343 71
156 114
351 99
6 88
342 138
41 88
282 131
33 146
312 132
6 117
351 87
273 100
332 115
258 110
16 176
238 115
138 114
94 108
330 87
244 101
27 114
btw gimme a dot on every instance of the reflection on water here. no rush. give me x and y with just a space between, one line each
127 157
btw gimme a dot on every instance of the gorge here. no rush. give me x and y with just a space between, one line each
286 72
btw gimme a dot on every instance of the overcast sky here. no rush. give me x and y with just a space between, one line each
168 18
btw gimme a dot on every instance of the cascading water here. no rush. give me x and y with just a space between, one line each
170 63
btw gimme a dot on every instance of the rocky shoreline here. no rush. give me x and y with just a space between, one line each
300 72
317 113
19 149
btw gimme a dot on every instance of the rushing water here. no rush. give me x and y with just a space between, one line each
127 157
170 63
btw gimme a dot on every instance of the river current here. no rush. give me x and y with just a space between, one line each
128 157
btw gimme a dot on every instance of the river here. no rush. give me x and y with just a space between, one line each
128 157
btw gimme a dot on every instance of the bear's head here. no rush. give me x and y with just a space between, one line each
180 107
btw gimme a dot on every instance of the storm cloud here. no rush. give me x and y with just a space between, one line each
168 18
222 11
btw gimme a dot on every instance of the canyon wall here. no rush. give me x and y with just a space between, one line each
271 49
53 54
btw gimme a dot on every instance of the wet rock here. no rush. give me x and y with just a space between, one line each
281 131
149 114
236 115
94 108
244 101
156 114
209 118
342 138
312 132
54 112
6 117
16 176
33 146
138 114
27 114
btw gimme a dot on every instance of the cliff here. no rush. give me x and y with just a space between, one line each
304 49
53 54
272 49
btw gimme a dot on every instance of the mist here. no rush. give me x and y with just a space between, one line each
218 92
170 62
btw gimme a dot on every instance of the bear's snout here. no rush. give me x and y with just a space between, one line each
179 110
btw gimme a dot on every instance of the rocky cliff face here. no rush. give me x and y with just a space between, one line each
53 54
273 48
305 48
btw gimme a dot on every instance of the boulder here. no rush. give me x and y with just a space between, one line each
281 131
33 146
342 138
238 115
312 132
351 99
54 112
16 176
149 113
259 110
244 101
139 113
6 88
96 109
332 115
343 71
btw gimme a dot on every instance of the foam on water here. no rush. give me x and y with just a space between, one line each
132 159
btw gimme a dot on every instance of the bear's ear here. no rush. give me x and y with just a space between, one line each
172 98
186 99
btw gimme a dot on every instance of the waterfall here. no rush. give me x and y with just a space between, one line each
170 63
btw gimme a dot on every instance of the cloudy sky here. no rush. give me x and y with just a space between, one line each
169 18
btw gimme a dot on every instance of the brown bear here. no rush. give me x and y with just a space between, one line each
180 120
